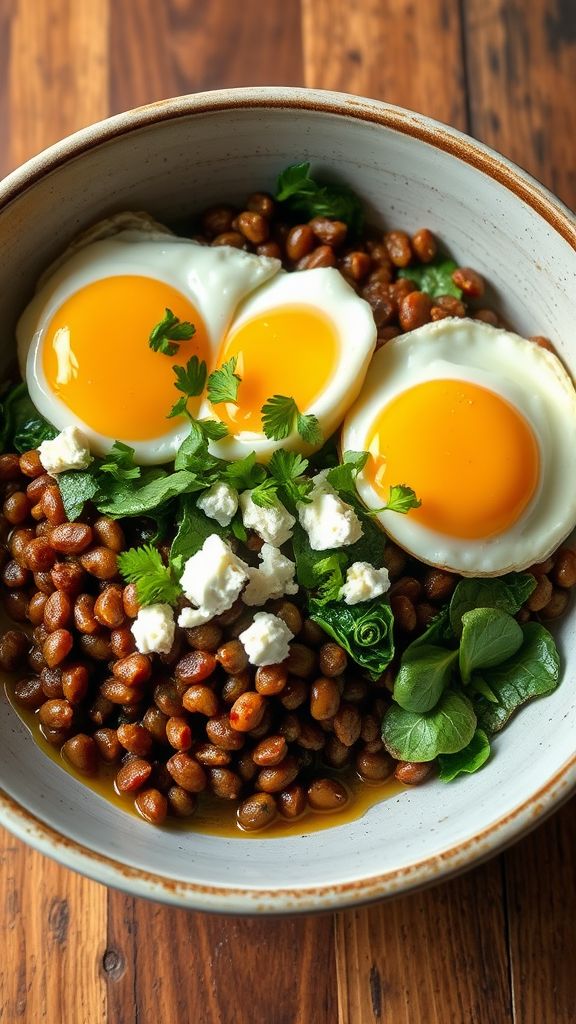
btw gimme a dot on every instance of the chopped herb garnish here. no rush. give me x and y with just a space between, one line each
154 581
223 383
300 192
169 330
281 417
402 499
119 462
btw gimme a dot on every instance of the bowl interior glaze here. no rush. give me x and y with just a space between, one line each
172 159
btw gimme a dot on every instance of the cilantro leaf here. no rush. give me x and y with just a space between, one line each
402 499
170 329
266 494
281 416
179 408
223 383
287 468
244 474
330 574
434 278
343 476
154 581
119 462
213 430
191 379
302 193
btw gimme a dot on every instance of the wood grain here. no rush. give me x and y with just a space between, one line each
393 50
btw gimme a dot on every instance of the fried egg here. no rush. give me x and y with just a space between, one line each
482 425
307 336
83 339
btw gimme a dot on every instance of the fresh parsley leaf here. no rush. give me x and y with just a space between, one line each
300 192
223 383
156 487
281 416
154 581
288 469
170 329
244 474
434 278
402 499
119 462
330 573
191 379
213 430
343 476
265 495
180 408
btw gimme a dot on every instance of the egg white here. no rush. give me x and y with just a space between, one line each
214 278
325 290
534 381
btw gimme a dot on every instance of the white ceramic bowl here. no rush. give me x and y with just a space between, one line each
172 158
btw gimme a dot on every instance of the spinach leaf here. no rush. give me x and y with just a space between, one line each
434 278
508 593
446 729
194 528
77 486
438 631
424 674
489 637
157 486
470 759
363 630
532 672
23 427
301 193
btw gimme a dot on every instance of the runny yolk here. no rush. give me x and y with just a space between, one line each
470 456
291 350
97 360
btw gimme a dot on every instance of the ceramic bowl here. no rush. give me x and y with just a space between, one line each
172 158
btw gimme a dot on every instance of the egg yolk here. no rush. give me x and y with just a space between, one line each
291 350
97 360
470 456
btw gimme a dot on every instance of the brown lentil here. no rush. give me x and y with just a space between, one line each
187 772
152 805
256 812
412 773
324 697
100 562
82 753
327 795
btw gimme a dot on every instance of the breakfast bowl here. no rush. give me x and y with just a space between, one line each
173 159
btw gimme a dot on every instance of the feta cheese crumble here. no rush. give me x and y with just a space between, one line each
153 629
363 582
328 521
274 577
219 502
212 580
68 450
266 640
273 525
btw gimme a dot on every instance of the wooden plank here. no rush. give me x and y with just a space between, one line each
170 48
218 970
541 876
52 935
58 71
437 957
394 50
521 59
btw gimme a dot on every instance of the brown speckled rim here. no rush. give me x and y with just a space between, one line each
505 830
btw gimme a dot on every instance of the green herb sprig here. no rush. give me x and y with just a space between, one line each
281 417
154 580
168 331
223 383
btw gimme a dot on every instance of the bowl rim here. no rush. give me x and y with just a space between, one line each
500 833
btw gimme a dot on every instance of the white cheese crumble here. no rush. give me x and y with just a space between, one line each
266 640
68 450
212 580
153 629
363 582
273 525
219 502
328 521
274 577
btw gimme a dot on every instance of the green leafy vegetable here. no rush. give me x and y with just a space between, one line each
343 476
119 463
212 430
425 672
169 330
281 417
300 192
329 577
532 672
244 474
156 488
489 636
193 529
401 499
77 486
223 383
363 630
22 426
265 495
434 278
469 760
287 470
508 593
191 381
154 581
446 729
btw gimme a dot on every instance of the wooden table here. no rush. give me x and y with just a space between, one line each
498 944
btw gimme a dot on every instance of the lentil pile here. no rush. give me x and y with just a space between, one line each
200 718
